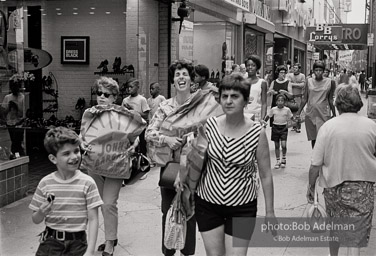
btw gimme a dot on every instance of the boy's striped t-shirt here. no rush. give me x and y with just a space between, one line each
73 199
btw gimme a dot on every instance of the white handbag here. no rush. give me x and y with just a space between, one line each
176 225
316 215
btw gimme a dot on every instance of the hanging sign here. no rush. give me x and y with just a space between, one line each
242 4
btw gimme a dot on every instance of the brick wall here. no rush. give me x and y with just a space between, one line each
163 48
130 31
107 41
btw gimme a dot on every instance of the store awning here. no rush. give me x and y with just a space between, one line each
259 23
338 36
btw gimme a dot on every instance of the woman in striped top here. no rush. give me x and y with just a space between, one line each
228 187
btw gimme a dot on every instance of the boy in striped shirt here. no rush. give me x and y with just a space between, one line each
67 199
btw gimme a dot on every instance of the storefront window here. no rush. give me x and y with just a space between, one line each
207 40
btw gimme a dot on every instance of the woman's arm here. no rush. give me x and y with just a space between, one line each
271 89
304 99
152 132
264 89
331 97
263 160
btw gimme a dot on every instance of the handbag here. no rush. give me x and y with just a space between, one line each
168 175
292 105
176 225
316 215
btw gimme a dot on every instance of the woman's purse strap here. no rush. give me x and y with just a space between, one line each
316 196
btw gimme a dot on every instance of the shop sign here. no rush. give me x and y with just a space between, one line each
370 38
186 41
316 56
348 6
324 34
285 5
345 55
309 47
75 49
242 4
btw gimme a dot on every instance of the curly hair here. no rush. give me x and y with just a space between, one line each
256 59
57 137
280 68
180 64
235 82
107 83
348 99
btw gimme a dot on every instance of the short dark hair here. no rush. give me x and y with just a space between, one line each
280 68
256 59
281 96
235 82
133 80
57 137
202 70
297 64
348 99
319 64
180 64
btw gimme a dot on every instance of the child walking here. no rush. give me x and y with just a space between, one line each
67 199
281 116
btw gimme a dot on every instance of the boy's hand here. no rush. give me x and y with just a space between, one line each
46 208
128 106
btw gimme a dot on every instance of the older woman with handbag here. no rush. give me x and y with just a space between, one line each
344 162
173 119
227 189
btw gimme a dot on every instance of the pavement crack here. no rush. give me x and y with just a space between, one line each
292 208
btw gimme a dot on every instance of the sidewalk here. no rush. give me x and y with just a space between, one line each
140 215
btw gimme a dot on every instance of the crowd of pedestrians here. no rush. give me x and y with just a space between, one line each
233 115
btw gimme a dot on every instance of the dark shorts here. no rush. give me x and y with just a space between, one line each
279 132
52 246
210 216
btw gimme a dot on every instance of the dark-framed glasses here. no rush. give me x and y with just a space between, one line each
99 93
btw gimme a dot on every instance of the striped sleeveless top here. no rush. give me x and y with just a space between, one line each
230 176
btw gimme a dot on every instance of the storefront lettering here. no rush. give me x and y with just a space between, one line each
314 37
351 34
345 34
324 33
71 53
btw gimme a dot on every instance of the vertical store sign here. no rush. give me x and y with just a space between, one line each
186 41
285 5
242 4
348 6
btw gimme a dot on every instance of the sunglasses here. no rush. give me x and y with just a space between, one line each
99 93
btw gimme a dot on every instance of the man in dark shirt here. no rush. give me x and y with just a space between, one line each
362 81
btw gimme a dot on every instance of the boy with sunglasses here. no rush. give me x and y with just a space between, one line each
67 199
